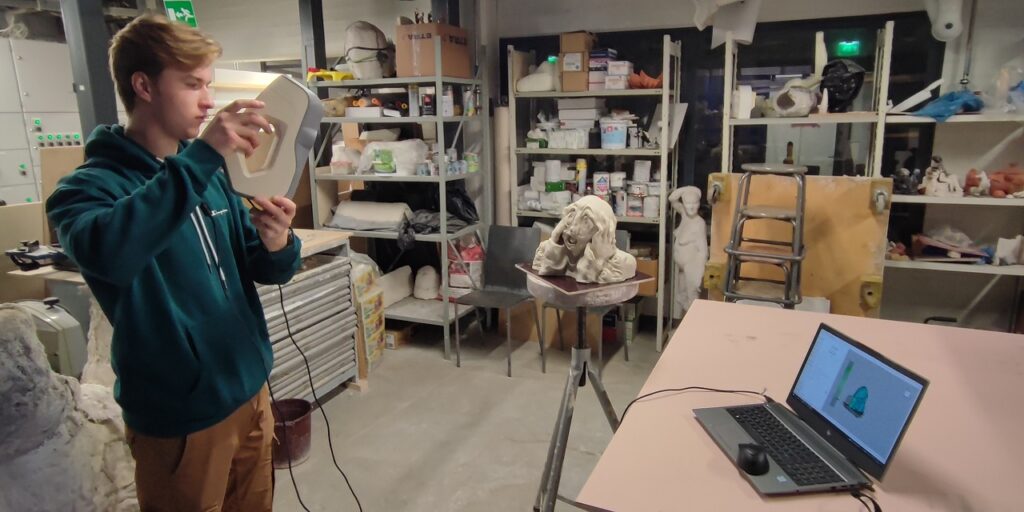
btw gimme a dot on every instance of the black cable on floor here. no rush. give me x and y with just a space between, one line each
761 394
312 388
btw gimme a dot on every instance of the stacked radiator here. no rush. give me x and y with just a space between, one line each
322 319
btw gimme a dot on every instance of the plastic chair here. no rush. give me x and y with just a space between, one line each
504 285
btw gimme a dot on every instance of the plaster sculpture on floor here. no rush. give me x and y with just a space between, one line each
689 248
938 182
62 444
582 246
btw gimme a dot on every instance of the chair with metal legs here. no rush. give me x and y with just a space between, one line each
504 286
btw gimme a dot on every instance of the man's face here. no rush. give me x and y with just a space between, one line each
579 233
182 98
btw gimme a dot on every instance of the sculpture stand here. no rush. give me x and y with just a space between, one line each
566 291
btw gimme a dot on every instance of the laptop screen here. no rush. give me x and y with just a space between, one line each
858 392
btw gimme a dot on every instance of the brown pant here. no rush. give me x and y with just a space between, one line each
224 467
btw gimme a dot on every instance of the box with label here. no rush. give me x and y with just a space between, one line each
617 83
414 50
575 61
598 63
620 68
581 41
395 337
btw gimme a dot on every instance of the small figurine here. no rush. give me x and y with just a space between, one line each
977 183
1007 182
906 182
938 182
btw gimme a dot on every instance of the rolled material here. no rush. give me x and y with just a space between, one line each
503 181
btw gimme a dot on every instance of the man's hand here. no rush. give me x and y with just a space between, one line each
232 131
272 220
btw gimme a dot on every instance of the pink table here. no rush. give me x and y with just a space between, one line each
963 450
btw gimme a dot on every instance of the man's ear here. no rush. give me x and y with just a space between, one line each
144 86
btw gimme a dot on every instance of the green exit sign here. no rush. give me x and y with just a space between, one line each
181 11
848 48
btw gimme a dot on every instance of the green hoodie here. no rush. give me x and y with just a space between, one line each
171 256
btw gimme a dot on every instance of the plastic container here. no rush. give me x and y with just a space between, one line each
291 429
613 133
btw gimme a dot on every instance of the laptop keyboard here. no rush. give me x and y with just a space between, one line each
803 466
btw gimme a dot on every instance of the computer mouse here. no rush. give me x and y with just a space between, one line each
752 459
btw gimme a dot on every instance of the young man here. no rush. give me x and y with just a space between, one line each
171 255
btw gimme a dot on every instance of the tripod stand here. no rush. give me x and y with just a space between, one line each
579 369
568 292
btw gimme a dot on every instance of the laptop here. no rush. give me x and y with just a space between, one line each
849 409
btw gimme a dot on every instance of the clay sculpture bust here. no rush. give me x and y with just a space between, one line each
582 246
689 248
61 443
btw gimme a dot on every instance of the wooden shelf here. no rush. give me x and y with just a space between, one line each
845 117
969 268
393 82
608 152
590 94
324 174
959 118
967 201
621 220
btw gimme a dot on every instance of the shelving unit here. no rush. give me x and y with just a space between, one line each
967 268
323 182
666 170
876 116
879 117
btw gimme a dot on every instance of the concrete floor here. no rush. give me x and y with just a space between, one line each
430 436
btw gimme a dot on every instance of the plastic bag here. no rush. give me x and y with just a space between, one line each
950 104
398 157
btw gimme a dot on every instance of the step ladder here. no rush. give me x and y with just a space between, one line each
787 255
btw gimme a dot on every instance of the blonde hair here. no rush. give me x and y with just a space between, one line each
152 43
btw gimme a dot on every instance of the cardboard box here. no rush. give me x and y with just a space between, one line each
648 266
525 328
575 81
616 83
396 337
580 114
570 103
580 41
574 61
54 164
414 50
620 68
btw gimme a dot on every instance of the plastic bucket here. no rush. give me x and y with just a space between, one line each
291 429
613 134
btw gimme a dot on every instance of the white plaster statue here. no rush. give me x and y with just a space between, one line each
689 247
582 245
938 182
61 443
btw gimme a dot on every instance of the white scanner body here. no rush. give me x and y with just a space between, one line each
275 168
